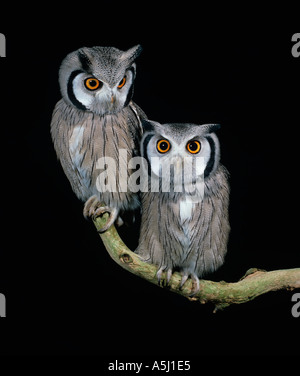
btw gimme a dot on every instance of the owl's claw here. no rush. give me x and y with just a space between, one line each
93 209
169 275
164 281
159 274
196 283
183 280
113 214
90 206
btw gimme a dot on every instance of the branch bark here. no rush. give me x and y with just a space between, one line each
254 283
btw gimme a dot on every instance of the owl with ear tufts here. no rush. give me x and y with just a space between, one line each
94 120
185 222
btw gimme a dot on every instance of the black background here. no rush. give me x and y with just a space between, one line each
65 296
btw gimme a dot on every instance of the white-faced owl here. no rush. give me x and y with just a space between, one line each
95 119
185 223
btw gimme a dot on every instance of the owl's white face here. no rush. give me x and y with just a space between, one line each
188 158
181 155
99 96
98 79
179 165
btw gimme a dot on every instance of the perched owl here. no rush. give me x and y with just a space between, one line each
185 222
93 121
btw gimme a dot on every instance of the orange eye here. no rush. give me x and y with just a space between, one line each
193 147
122 82
163 146
92 83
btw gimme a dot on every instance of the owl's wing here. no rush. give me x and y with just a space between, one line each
61 132
137 133
212 224
139 113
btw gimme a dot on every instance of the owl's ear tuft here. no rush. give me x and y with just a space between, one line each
131 54
210 128
148 125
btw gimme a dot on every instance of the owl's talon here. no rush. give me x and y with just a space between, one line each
162 281
158 276
100 211
169 276
113 214
196 285
119 222
90 205
183 280
93 209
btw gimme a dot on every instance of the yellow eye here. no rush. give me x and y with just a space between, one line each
92 83
193 147
163 146
122 82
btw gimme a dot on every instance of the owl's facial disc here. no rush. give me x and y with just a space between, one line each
177 162
90 93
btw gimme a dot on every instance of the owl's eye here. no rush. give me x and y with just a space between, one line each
163 146
92 83
122 82
193 147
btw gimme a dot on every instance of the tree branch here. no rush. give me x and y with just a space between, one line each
255 282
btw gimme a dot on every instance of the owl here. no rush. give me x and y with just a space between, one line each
184 223
96 125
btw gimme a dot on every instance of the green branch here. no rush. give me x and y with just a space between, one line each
255 282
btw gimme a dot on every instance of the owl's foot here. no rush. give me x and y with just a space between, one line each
196 283
90 206
93 209
183 280
113 214
160 279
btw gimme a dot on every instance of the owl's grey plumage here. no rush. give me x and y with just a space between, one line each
95 119
185 224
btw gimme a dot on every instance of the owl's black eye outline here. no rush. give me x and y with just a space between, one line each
87 83
122 82
163 149
192 150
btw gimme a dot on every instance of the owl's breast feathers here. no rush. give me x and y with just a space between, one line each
207 225
178 231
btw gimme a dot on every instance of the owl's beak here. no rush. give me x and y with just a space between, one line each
112 99
178 164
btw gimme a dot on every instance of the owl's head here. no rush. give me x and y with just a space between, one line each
98 79
192 150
